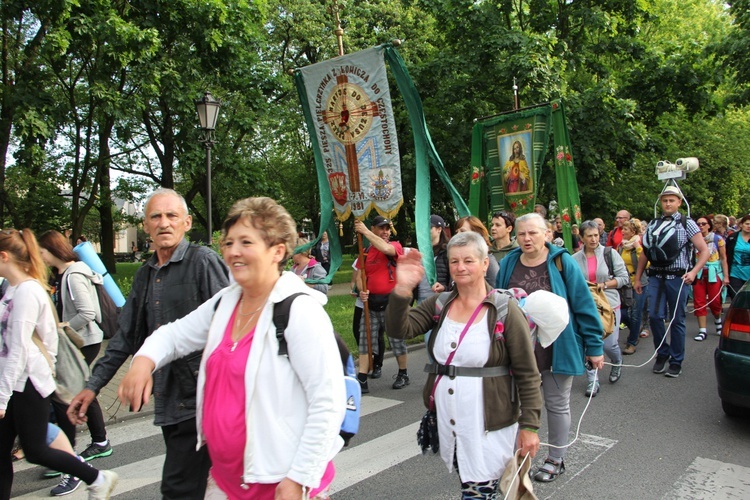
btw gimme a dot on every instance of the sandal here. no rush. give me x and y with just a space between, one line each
549 471
700 337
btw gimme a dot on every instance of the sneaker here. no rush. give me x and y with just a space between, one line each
104 490
377 372
644 334
95 451
68 485
401 381
622 326
615 374
700 337
629 349
363 386
674 371
661 365
592 389
50 473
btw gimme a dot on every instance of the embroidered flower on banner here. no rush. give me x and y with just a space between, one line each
499 330
474 175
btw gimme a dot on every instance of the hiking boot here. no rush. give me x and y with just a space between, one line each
615 374
673 371
68 485
402 380
377 372
104 490
95 451
592 389
661 365
629 349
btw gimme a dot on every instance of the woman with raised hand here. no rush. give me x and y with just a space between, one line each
26 380
480 333
532 267
471 223
271 421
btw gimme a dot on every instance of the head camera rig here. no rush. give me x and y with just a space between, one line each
671 173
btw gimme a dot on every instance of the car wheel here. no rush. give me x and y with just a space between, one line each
733 410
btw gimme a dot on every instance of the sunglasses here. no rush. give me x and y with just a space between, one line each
703 223
502 214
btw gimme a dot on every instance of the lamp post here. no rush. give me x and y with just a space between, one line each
208 112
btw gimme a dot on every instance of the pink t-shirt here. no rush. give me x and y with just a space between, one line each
591 262
224 424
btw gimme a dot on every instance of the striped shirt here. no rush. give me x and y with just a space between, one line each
683 261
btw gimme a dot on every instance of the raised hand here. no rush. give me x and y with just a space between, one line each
409 273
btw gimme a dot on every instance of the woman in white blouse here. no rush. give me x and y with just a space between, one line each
26 381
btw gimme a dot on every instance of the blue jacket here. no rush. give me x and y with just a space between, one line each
583 335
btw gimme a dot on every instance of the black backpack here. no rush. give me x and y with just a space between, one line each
108 309
661 242
350 425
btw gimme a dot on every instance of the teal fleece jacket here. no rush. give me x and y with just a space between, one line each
583 335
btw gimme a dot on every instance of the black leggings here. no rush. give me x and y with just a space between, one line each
26 416
94 415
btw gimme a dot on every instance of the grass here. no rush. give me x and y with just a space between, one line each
340 309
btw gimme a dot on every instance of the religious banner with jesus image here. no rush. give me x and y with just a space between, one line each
350 106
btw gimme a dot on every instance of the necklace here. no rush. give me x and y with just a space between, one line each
242 302
244 325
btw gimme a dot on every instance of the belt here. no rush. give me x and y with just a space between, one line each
661 273
466 371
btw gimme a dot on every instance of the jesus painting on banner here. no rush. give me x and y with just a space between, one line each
517 178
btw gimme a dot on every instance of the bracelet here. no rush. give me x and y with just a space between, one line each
530 429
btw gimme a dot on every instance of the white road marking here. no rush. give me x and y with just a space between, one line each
356 464
707 479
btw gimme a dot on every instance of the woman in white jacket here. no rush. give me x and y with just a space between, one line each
271 422
26 381
78 307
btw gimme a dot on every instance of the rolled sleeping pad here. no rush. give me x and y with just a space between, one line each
87 254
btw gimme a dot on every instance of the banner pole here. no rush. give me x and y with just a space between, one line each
339 32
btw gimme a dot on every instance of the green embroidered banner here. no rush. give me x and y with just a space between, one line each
507 154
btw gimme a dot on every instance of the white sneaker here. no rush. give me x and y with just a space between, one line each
104 490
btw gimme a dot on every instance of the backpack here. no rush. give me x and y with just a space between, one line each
625 292
350 425
606 313
661 242
107 307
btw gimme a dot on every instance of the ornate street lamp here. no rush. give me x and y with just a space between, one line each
208 112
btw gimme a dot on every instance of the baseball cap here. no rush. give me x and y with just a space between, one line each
437 221
671 190
380 221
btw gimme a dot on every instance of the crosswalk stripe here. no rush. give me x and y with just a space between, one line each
129 431
132 476
359 463
707 479
372 404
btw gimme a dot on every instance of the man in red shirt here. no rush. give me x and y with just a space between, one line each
615 236
380 268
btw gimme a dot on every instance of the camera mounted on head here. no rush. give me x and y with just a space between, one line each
671 173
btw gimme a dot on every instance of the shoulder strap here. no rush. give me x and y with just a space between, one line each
440 304
558 264
281 320
608 261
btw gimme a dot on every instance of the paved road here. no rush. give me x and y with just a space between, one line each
646 437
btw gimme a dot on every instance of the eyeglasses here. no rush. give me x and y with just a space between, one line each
620 218
703 223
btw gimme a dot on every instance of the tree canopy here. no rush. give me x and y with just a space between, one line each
96 91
